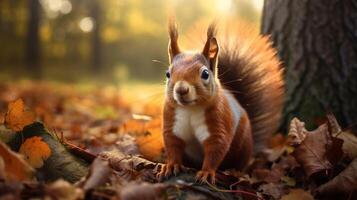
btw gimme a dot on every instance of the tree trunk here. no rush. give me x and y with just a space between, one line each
317 43
96 40
33 38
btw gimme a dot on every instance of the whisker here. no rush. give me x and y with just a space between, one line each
227 70
158 61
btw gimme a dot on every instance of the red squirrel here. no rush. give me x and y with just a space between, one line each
222 103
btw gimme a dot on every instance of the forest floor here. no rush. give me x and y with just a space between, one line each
61 141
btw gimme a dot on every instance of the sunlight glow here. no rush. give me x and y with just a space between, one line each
224 6
55 7
86 24
258 4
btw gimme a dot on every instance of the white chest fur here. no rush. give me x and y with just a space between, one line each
190 125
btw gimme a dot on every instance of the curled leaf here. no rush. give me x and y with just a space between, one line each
349 144
311 153
297 132
334 127
35 151
17 117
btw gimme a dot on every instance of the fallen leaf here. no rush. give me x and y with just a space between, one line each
35 151
143 191
297 132
120 161
17 117
334 127
62 189
345 182
334 150
14 166
318 150
127 144
10 190
289 181
99 173
298 194
273 189
349 144
148 137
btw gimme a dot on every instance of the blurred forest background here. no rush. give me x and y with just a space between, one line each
106 41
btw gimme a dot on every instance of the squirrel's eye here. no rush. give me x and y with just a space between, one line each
167 74
205 74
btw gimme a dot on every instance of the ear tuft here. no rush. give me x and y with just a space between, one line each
212 30
173 34
211 48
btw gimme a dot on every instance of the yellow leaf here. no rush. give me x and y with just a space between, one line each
35 151
13 166
298 194
148 136
17 117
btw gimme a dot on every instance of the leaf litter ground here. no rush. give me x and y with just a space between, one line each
59 142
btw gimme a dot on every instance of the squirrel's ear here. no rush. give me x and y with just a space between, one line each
211 48
173 48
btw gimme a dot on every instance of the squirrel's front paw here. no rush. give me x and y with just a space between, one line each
206 176
167 169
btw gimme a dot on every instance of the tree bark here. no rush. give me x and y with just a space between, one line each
317 43
33 38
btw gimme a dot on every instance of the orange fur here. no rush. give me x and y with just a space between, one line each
259 83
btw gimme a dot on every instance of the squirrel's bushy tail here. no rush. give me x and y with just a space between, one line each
248 66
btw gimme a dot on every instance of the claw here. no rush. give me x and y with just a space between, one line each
167 170
176 169
205 176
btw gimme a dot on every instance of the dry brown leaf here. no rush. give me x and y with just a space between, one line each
345 182
349 139
120 161
143 191
272 189
2 118
334 127
99 173
17 117
349 144
15 166
311 153
319 149
127 144
35 151
298 194
297 132
63 190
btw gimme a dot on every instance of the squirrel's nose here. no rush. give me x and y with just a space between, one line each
182 90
